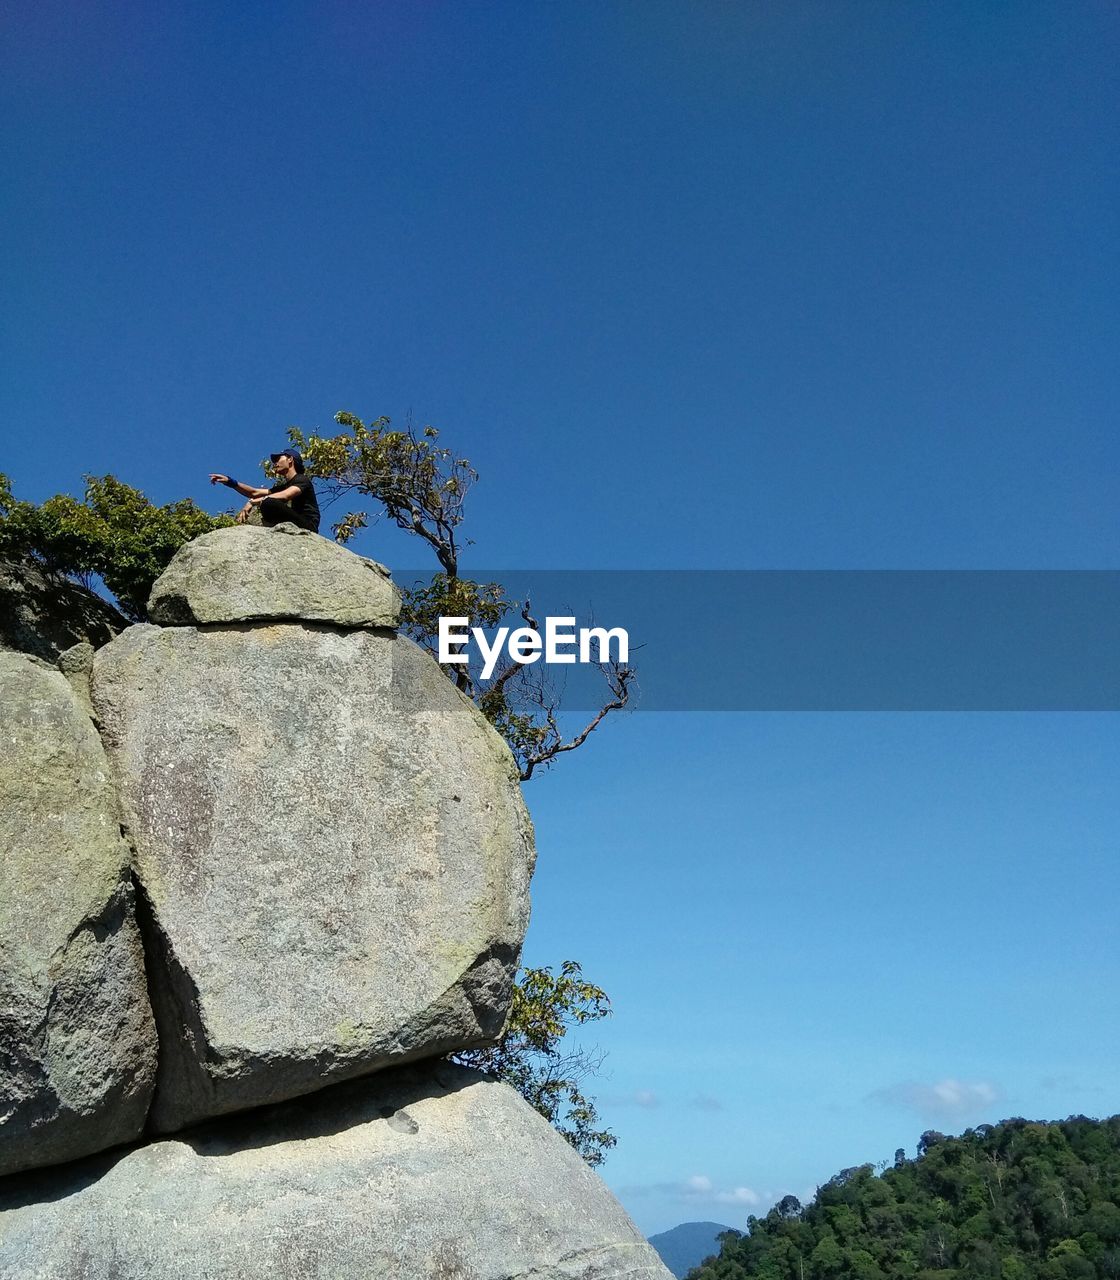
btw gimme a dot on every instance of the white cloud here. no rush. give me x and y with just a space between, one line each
740 1195
701 1187
731 1204
945 1100
646 1098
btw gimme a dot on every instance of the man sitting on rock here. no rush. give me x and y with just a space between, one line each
291 498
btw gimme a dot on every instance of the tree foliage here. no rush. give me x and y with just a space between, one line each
113 533
532 1057
422 487
1014 1201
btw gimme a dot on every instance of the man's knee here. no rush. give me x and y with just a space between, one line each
275 511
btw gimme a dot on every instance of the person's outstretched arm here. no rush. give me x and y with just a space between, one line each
247 490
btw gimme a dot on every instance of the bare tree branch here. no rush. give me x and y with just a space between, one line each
619 679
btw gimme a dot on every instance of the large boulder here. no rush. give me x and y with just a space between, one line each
44 614
77 1041
333 848
250 573
426 1174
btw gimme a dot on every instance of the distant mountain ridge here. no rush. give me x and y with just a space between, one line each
686 1246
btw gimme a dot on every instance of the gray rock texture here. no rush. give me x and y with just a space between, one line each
333 848
431 1174
249 573
77 1041
76 664
43 614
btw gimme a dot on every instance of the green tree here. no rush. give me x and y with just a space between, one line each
114 533
1103 1219
1015 1201
533 1058
862 1266
827 1257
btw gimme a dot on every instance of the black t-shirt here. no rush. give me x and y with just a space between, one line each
305 506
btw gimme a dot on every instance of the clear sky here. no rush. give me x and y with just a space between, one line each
696 284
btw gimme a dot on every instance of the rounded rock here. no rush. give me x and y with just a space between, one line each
334 853
250 574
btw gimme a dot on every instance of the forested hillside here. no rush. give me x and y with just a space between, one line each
1015 1201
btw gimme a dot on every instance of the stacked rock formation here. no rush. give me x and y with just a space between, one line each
242 926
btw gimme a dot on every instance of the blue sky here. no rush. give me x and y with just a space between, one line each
694 285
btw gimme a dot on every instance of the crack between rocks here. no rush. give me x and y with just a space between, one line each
175 1003
287 620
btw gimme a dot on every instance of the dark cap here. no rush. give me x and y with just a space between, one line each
297 461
